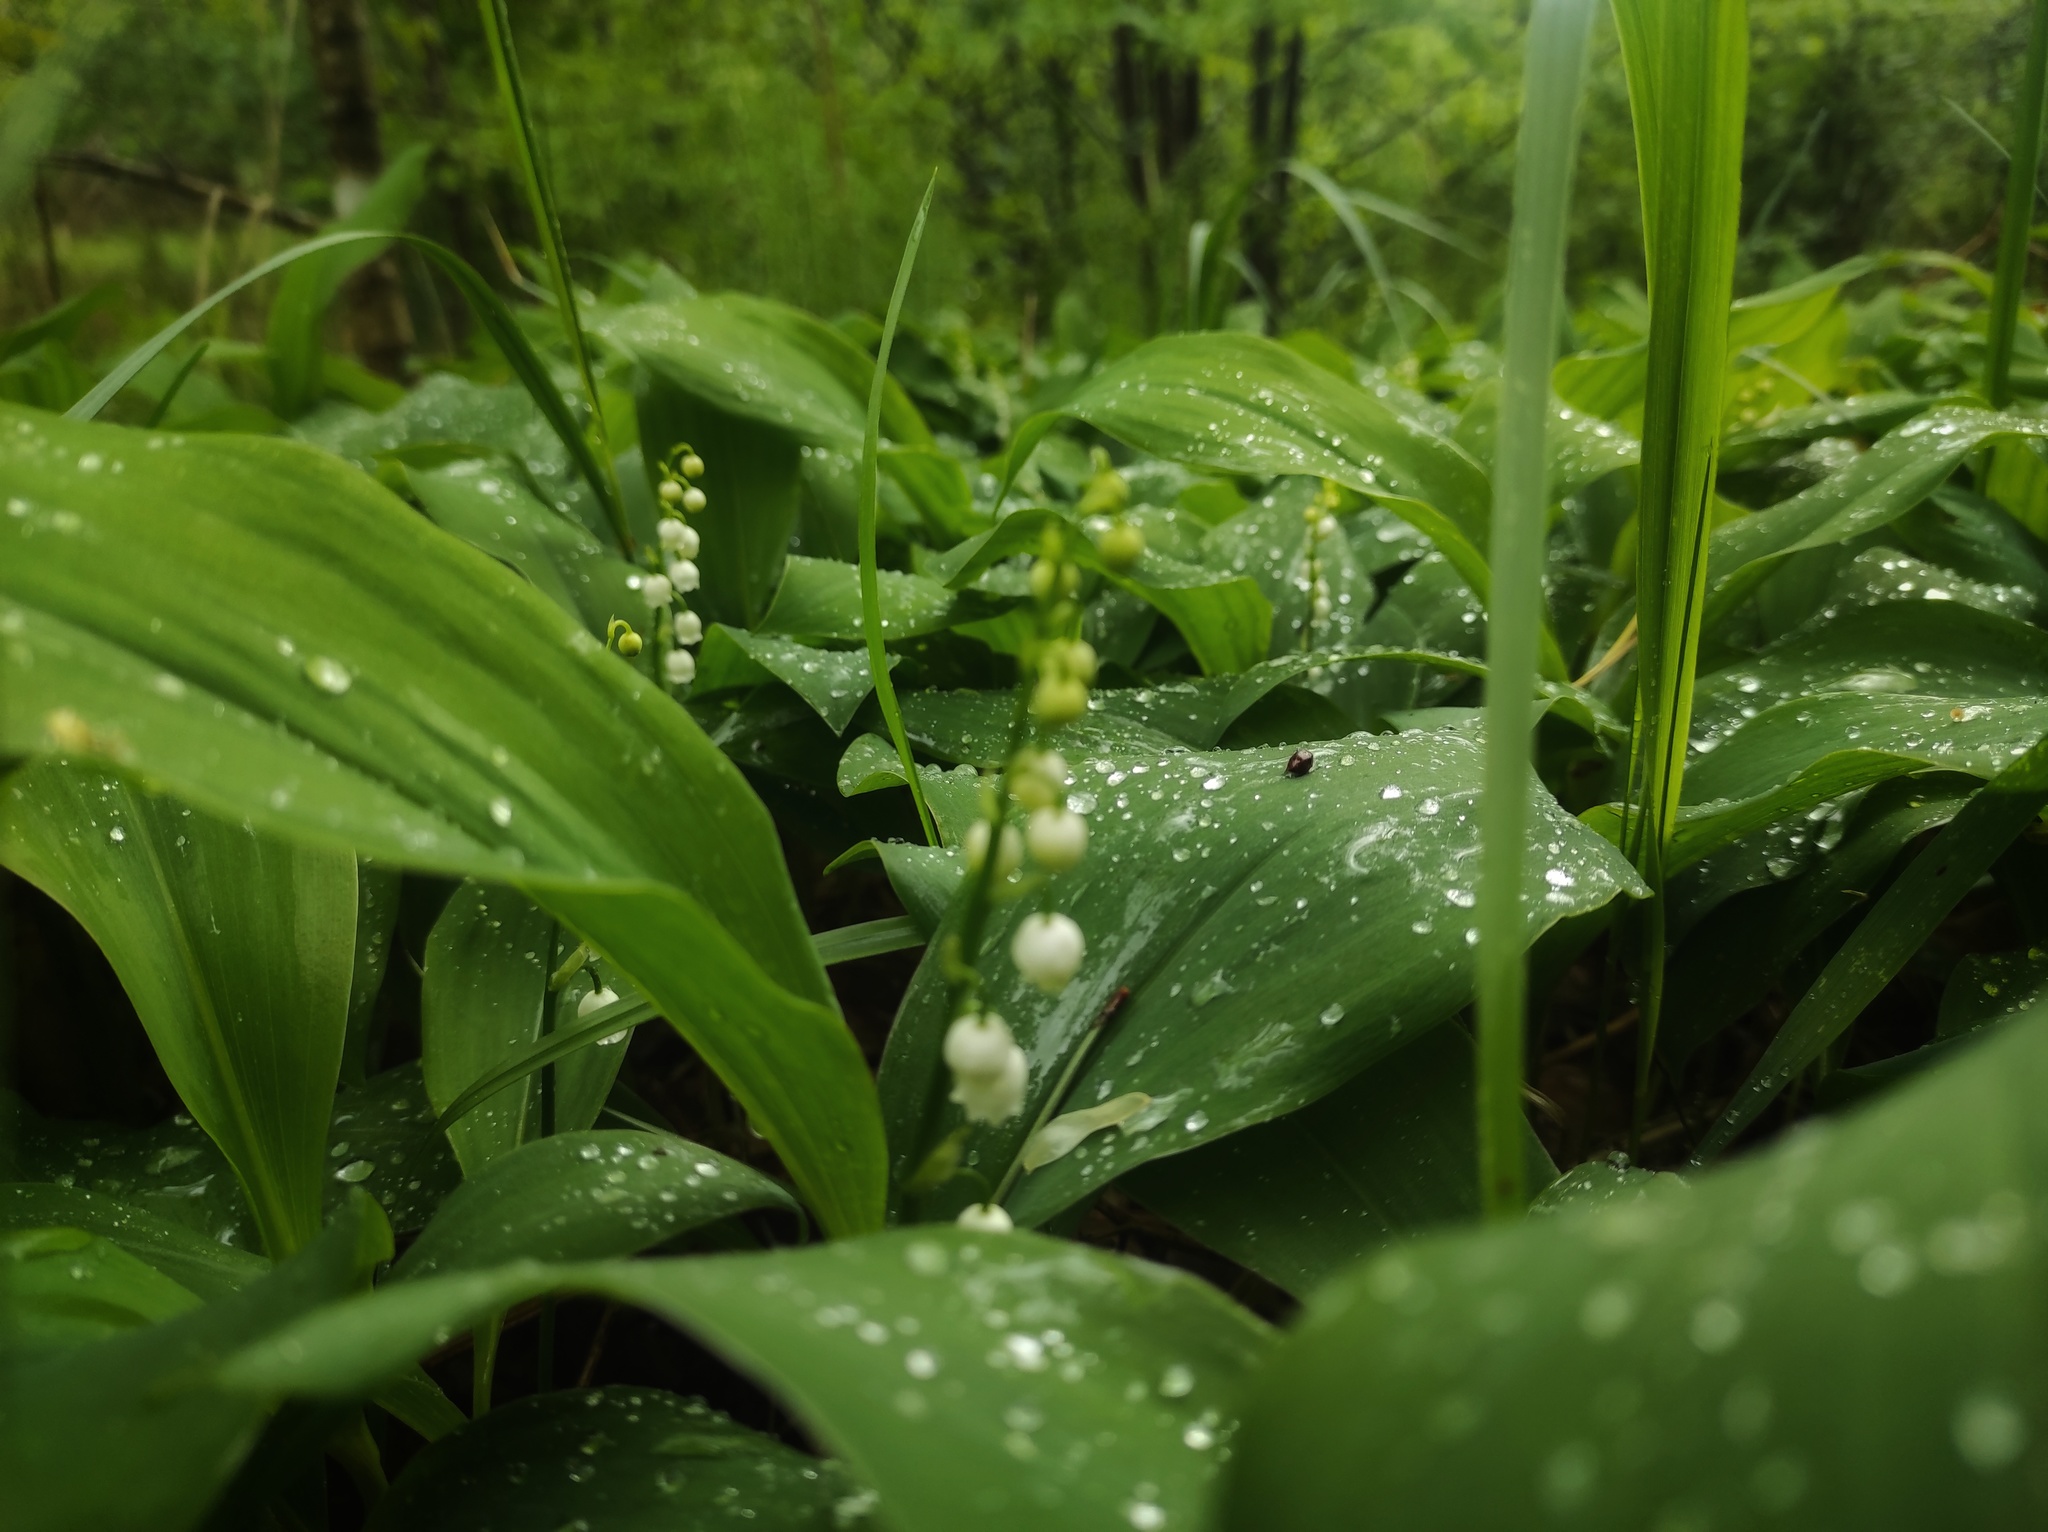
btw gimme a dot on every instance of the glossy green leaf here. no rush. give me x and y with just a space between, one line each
1300 1198
299 311
1844 1332
236 949
616 1459
488 508
1868 416
870 938
1891 933
485 997
1992 986
949 1370
835 682
1226 621
381 1136
820 599
1277 935
1236 403
272 635
198 1264
582 1197
127 1434
66 1287
377 890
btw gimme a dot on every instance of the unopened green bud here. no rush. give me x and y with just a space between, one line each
671 492
692 466
1122 545
1058 699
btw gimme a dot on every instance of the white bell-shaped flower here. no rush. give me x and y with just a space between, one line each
679 667
978 1044
995 1097
985 1218
655 591
689 628
1048 950
678 537
683 575
596 1000
1009 852
1056 838
693 500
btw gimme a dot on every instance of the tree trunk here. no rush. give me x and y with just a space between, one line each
1274 96
379 325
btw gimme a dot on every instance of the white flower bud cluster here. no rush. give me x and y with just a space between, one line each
680 497
1322 526
990 1072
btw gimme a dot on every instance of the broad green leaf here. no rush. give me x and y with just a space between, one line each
236 949
834 682
935 482
1277 935
1301 1197
1844 1332
269 634
1226 621
1947 869
486 506
616 1459
484 998
583 1197
820 599
127 1434
868 764
1928 648
299 311
1241 404
1770 926
196 1263
1881 485
380 1136
952 1372
1867 416
65 1287
1992 986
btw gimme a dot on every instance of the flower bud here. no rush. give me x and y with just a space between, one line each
1009 849
984 1218
679 667
1326 527
596 1000
1122 545
1077 658
1320 609
678 537
692 466
994 1097
689 628
1056 838
655 590
978 1045
671 492
629 643
1048 950
693 500
1045 576
1057 700
683 575
1038 778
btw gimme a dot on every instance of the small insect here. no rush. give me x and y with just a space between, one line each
1114 1004
1301 763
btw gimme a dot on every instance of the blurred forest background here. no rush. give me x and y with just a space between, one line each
1086 151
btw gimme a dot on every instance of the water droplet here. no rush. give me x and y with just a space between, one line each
354 1171
1332 1014
501 812
330 675
1177 1382
1989 1431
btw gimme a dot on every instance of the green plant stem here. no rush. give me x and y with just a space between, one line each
870 497
497 24
2018 226
1554 74
1054 1098
1688 79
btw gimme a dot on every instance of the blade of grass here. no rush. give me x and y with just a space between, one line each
1553 85
488 307
1687 67
1347 214
870 578
2018 223
170 393
540 197
1890 934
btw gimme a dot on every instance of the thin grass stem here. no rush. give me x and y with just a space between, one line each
2018 226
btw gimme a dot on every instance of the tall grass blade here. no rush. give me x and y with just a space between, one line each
2018 226
1951 865
1346 209
1688 63
1554 77
870 577
505 63
488 307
